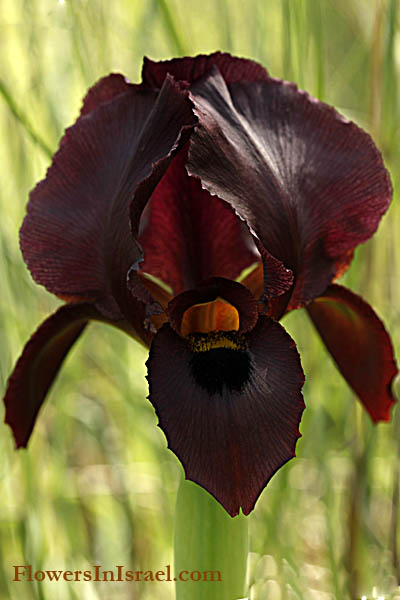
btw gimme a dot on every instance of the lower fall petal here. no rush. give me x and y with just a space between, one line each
39 364
360 346
231 417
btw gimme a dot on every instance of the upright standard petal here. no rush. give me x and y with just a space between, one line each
360 346
189 69
104 90
230 415
76 237
310 184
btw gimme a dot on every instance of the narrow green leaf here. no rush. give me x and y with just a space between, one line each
23 120
171 28
315 19
287 41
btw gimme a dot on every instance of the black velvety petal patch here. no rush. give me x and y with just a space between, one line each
220 361
221 368
229 405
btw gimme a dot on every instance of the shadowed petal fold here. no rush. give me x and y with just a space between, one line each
189 236
360 346
190 68
39 364
276 278
76 237
232 442
309 183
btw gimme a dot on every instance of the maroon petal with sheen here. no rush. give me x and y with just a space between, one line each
76 238
230 443
309 183
189 236
39 364
277 279
190 68
104 90
360 346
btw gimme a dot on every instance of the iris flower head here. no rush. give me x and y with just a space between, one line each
193 211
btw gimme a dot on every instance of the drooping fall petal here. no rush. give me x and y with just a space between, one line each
189 69
76 237
39 364
309 183
231 420
360 346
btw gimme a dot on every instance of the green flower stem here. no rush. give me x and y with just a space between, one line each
208 539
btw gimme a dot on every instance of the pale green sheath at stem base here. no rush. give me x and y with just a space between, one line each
208 541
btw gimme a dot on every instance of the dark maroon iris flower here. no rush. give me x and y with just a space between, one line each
193 211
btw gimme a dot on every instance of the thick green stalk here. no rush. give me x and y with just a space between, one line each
210 548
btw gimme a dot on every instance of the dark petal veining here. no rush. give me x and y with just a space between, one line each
310 184
104 90
190 69
231 443
76 237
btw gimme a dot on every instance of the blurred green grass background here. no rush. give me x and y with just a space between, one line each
97 484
